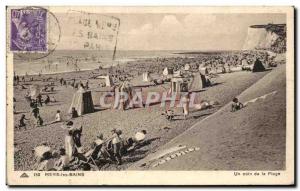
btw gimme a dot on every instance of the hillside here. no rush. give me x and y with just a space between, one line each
250 139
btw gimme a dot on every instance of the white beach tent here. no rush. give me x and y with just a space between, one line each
82 102
187 67
146 77
108 80
167 71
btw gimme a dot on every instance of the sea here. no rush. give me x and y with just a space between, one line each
61 61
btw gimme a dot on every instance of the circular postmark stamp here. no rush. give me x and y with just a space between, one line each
34 33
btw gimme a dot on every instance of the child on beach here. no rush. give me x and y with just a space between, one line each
22 122
74 113
39 121
35 111
47 100
236 105
57 117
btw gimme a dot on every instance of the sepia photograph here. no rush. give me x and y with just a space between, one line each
146 95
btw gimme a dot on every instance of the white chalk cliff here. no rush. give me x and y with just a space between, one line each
266 37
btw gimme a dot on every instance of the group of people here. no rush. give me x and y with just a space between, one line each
74 157
35 112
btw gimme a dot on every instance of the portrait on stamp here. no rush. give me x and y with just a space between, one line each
28 30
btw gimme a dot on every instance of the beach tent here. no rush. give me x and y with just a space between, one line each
187 67
108 80
167 71
203 70
82 102
35 90
146 77
177 73
245 62
258 66
197 82
177 84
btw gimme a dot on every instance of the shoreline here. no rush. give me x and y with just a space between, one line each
131 60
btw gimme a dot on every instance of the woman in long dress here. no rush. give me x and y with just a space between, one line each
69 145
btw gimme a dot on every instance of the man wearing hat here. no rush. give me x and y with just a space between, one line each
116 145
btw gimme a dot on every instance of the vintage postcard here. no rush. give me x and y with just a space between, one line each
150 95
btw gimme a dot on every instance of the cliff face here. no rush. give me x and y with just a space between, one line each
270 37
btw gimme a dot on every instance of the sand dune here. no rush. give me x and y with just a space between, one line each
250 139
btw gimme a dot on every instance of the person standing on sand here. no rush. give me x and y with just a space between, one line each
39 99
22 122
39 121
35 111
87 85
116 97
185 100
69 144
116 145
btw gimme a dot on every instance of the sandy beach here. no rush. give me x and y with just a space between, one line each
160 130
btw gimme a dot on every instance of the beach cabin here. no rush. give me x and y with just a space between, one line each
179 84
146 77
107 80
167 71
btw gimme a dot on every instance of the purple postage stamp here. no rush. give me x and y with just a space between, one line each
28 30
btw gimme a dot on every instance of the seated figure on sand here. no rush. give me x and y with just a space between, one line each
236 105
45 157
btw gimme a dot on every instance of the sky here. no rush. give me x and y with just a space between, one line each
181 31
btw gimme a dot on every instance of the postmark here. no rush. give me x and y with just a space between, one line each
94 32
28 30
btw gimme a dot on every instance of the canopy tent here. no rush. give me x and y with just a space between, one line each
108 80
82 102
